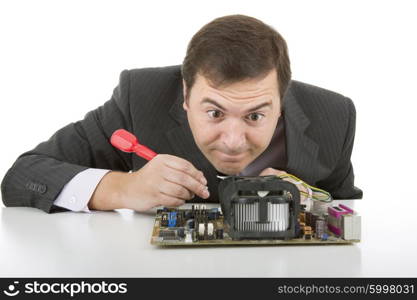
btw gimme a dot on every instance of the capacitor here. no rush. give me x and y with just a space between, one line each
201 229
188 237
210 229
320 228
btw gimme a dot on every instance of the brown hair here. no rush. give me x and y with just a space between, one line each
233 48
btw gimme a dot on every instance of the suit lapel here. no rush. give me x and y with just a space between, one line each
302 151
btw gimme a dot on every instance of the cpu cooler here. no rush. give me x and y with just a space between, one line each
263 207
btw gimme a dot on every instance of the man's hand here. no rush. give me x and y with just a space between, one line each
165 180
272 171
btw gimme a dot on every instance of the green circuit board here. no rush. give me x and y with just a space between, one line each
199 226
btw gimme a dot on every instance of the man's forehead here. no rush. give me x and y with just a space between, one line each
248 84
245 91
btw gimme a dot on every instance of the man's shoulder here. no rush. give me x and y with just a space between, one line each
315 93
153 75
316 100
152 86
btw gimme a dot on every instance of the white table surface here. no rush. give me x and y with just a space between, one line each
117 244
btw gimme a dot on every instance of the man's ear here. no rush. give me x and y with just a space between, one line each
184 92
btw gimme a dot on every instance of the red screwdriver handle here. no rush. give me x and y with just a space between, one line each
127 142
144 152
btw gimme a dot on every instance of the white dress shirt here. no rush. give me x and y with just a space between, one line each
78 191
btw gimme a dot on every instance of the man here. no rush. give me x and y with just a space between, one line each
230 108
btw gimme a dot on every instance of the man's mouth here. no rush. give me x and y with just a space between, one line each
230 157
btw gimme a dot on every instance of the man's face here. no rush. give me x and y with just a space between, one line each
233 125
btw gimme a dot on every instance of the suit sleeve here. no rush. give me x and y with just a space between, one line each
340 184
37 176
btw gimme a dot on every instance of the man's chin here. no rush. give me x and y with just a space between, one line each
229 170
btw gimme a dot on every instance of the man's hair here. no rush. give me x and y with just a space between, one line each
234 48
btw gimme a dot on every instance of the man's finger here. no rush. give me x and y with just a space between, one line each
188 182
272 171
185 166
174 190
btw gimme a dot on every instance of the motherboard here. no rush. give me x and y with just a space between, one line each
257 211
199 226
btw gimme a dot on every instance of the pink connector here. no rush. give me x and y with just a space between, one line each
335 218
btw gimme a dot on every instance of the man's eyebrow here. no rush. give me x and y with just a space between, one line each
261 105
210 101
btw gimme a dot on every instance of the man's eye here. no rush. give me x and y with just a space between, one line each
255 117
214 114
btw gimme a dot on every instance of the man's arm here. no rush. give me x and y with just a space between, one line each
340 183
38 176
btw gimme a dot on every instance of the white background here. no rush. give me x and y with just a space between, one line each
61 59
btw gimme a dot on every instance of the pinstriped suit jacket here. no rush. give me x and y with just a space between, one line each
319 128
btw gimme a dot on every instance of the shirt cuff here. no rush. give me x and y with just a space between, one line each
78 191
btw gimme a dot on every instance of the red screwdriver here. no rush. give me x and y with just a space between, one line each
127 142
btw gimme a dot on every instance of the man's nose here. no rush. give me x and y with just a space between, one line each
233 137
